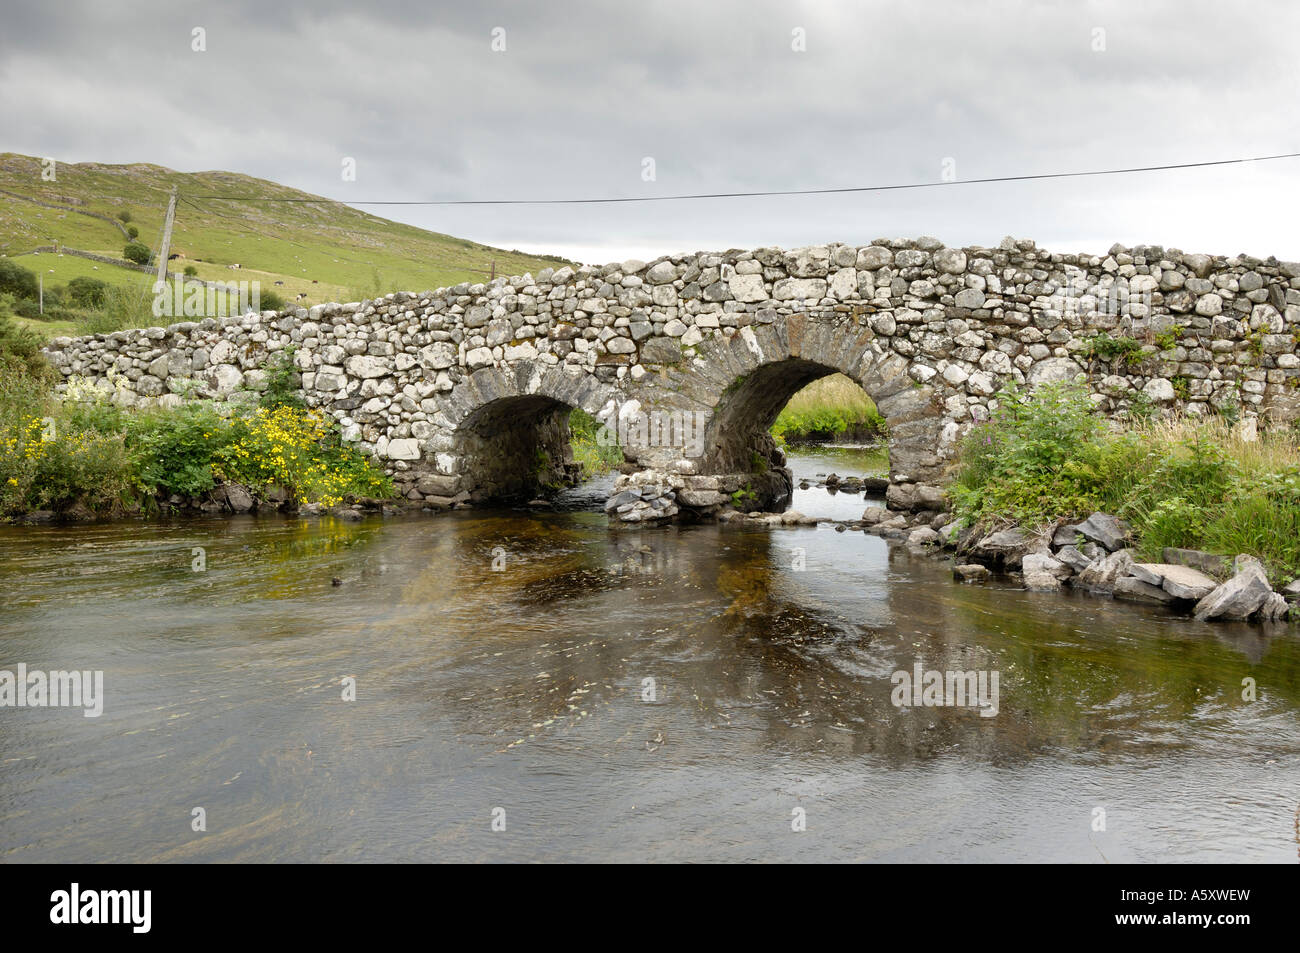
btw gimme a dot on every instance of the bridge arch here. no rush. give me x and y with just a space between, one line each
509 429
768 365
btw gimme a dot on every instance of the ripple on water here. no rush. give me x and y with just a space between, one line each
625 694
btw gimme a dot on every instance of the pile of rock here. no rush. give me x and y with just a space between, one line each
637 501
1094 556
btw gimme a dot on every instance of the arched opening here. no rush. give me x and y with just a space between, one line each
517 448
523 447
744 438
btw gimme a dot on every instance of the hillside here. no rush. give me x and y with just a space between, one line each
309 246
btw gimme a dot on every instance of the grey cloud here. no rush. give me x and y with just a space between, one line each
884 93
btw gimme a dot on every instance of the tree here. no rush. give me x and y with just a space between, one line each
17 280
132 231
124 215
87 292
137 252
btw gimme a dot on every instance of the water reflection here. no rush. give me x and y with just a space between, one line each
525 686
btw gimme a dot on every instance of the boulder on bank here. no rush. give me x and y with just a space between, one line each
1042 573
923 536
1070 556
1240 597
1006 548
1101 574
1208 563
874 514
236 497
1183 582
1104 530
914 496
1133 588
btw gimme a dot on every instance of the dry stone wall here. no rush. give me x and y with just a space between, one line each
462 392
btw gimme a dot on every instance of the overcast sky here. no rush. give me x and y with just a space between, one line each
715 93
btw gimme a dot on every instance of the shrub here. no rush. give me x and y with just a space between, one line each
50 458
87 292
173 450
191 271
1011 464
17 280
124 216
1183 483
137 252
302 452
20 347
132 232
121 308
269 300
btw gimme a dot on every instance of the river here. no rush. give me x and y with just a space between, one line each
681 694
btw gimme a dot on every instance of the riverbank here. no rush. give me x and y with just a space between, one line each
833 408
85 456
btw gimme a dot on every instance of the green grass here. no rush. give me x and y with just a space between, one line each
827 408
1181 482
329 252
48 330
60 269
596 454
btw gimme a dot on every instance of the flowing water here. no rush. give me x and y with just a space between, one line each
689 693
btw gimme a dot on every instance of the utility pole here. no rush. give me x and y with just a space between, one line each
167 237
494 270
41 279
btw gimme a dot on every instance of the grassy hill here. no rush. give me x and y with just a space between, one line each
311 246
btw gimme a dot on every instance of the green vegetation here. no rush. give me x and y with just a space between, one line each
593 445
827 408
1184 482
20 347
87 455
1168 339
137 252
1103 347
318 248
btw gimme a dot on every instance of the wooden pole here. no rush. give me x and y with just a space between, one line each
167 237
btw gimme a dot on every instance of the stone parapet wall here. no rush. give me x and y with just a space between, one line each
446 386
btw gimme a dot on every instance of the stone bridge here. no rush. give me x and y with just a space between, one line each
464 392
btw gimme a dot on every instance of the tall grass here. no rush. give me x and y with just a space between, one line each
1181 482
592 444
827 408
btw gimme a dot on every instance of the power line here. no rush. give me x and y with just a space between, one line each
739 195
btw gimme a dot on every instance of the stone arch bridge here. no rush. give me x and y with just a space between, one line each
464 392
